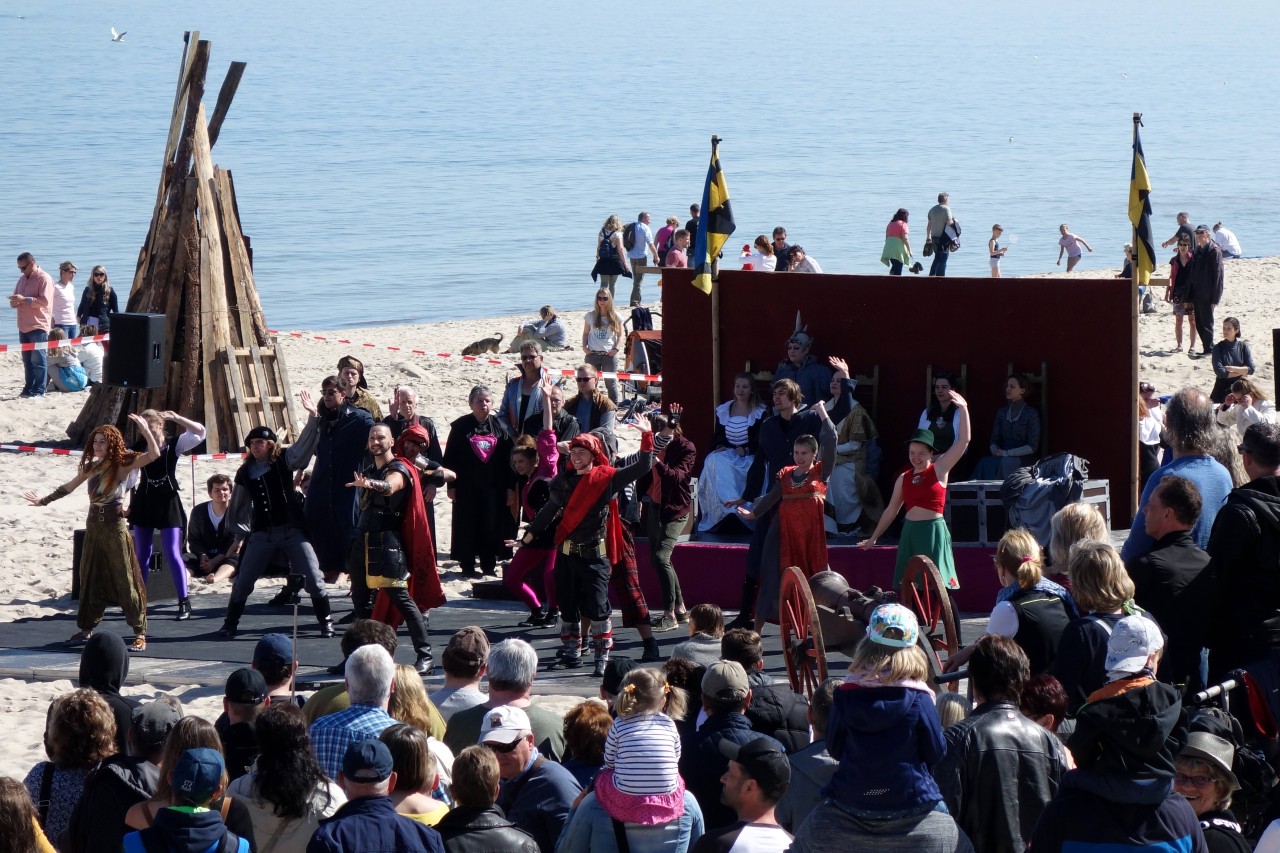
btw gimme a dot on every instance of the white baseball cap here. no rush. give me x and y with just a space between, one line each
504 725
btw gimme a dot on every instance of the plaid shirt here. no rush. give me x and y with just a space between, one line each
332 734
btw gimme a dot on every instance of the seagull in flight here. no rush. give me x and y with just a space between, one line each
115 36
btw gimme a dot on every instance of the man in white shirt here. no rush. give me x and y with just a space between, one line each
1226 241
758 776
642 246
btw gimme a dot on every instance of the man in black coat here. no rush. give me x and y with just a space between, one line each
775 709
1171 580
1244 623
1206 286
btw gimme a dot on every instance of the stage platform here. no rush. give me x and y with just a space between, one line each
711 568
182 653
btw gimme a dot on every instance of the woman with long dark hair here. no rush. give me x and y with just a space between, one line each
733 448
896 253
479 452
286 793
109 570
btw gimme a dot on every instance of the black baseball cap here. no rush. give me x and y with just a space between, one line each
762 759
367 761
246 686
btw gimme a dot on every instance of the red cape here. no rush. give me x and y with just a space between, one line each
420 550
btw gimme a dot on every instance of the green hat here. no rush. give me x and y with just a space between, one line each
925 437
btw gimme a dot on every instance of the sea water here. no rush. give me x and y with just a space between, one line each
398 162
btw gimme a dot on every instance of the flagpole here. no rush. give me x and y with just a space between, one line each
1134 475
715 311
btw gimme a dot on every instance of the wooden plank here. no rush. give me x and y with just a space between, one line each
209 358
214 288
261 381
291 427
191 404
237 257
250 286
228 91
231 369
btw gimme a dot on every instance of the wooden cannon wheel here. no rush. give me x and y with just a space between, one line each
802 646
923 592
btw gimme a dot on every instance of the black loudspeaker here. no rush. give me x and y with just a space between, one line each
159 582
136 357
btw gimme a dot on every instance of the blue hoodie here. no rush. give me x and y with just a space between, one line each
185 831
886 740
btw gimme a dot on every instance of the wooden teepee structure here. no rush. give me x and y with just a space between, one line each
223 368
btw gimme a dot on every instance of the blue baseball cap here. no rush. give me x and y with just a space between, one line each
367 761
197 775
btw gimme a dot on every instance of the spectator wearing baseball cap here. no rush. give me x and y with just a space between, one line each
189 826
245 695
368 820
537 793
464 662
122 780
726 693
273 657
757 777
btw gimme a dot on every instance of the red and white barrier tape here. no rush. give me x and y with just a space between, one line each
635 377
38 345
623 375
58 451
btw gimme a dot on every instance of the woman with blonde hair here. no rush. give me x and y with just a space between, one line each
1071 524
97 303
602 338
109 570
611 255
65 371
410 704
1244 406
1030 609
81 732
1104 591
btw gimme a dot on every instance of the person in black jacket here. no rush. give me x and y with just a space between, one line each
1170 580
1206 287
775 709
211 533
475 824
1244 551
104 666
1000 769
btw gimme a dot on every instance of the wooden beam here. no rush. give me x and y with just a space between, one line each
191 404
238 261
228 91
250 287
290 428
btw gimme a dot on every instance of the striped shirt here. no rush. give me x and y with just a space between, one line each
643 750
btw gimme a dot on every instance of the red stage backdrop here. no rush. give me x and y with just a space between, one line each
1084 329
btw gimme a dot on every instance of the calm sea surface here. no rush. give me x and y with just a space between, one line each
401 162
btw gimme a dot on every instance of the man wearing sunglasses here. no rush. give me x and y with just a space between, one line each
33 300
537 794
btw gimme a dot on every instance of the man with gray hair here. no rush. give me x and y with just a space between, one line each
512 666
369 673
1190 423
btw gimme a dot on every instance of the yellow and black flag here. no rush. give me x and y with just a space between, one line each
1144 250
715 223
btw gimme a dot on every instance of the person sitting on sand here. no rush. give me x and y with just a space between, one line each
548 329
212 556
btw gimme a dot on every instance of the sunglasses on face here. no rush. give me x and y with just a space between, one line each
585 378
504 748
530 357
99 275
1193 781
332 392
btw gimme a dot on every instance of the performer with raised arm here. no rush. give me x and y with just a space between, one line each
109 571
588 536
269 519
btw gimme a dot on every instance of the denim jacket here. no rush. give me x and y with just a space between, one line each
591 828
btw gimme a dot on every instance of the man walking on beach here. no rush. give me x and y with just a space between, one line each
642 246
1184 230
939 218
1206 288
33 300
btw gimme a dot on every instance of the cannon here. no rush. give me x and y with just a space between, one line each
823 614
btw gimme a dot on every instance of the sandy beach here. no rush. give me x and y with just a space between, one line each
36 554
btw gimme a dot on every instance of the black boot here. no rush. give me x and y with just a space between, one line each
184 609
323 614
288 594
652 653
537 618
235 609
746 617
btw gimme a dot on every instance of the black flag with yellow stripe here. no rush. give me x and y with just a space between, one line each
715 223
1144 250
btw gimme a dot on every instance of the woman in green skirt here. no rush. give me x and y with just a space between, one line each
922 488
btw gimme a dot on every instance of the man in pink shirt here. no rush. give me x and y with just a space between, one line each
33 299
679 254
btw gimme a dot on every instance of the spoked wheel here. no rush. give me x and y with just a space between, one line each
923 592
802 646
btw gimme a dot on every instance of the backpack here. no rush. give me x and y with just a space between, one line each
629 236
641 319
138 842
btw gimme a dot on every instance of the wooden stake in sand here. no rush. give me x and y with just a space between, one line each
196 267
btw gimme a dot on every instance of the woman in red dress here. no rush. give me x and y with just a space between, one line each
798 525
